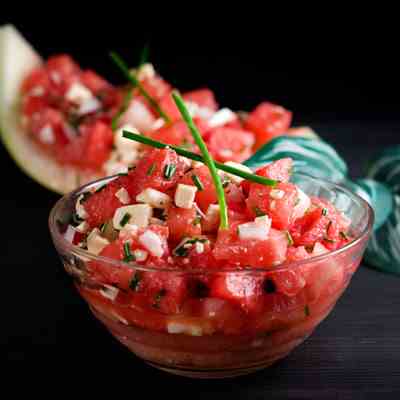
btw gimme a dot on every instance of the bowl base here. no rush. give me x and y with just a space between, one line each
211 374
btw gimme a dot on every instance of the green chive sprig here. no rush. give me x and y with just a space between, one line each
196 157
136 83
209 161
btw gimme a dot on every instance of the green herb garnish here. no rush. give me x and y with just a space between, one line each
182 250
135 82
197 220
158 297
169 171
144 55
258 212
343 235
223 209
225 182
196 180
307 310
135 281
124 106
289 238
128 256
151 169
196 157
324 211
125 219
100 188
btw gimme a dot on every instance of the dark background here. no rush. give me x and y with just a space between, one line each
340 76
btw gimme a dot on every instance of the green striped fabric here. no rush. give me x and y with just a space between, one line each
312 157
381 188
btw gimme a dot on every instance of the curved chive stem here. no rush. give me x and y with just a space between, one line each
124 106
135 82
144 55
209 161
193 156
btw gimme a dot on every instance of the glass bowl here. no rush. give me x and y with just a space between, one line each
207 337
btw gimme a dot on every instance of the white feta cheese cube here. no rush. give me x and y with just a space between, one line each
303 204
140 255
276 194
191 329
123 196
78 93
185 195
89 106
145 71
257 230
199 247
222 117
46 135
109 292
136 214
152 242
128 231
154 198
212 217
95 242
138 115
158 123
234 178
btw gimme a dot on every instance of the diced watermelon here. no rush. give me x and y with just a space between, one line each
267 121
287 282
182 223
277 202
202 97
149 171
229 144
101 205
156 87
255 253
94 82
207 195
38 78
279 170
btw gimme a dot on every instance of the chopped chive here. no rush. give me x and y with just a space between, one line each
125 219
144 55
169 171
103 227
269 286
196 180
328 226
123 174
151 169
289 238
197 220
258 212
135 281
225 182
343 235
329 240
158 297
182 250
197 157
223 209
128 256
324 211
307 310
135 82
121 111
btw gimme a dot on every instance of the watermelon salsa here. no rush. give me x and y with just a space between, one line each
176 288
77 117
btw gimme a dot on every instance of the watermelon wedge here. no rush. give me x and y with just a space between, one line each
17 59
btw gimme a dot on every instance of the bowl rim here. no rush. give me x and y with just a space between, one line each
59 239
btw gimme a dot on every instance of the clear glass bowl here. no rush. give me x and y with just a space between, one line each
210 337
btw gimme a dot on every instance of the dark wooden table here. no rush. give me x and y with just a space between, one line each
49 338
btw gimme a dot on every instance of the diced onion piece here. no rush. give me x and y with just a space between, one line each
222 117
136 214
154 198
89 106
234 178
152 242
95 242
257 230
212 217
185 195
128 231
123 196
